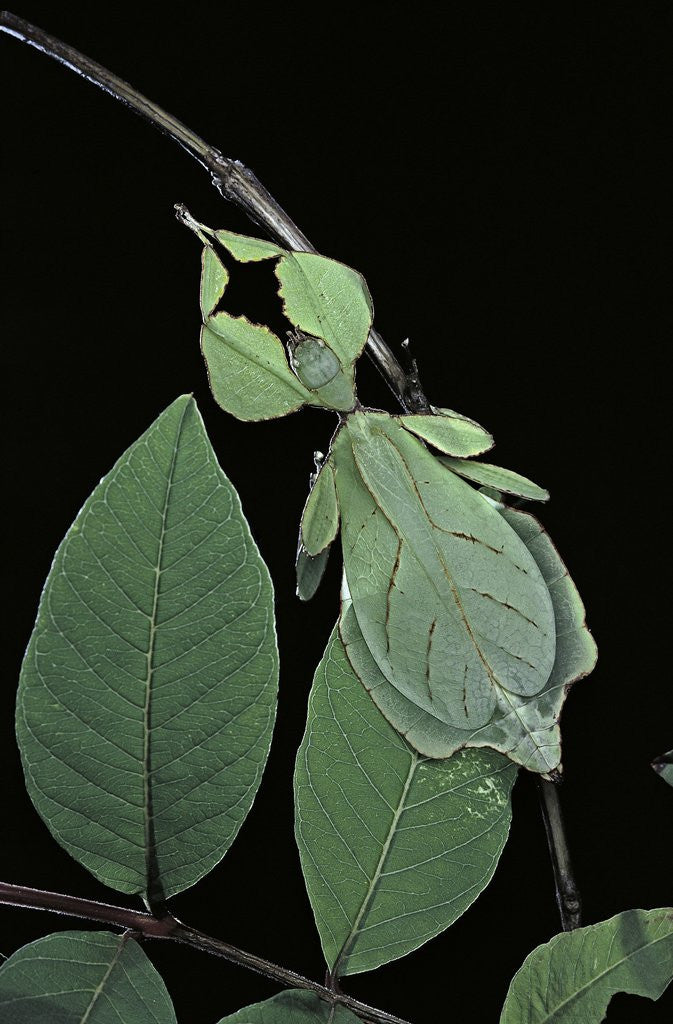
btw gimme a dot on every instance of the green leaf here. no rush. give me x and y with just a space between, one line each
292 1007
394 846
449 600
214 279
497 478
247 250
572 978
328 300
320 518
248 371
449 432
72 977
664 766
524 728
310 570
148 690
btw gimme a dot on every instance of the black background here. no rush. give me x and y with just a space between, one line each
501 179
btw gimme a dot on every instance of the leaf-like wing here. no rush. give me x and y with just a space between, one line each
496 477
394 846
320 519
328 300
214 279
310 570
292 1007
148 690
664 766
71 977
448 598
449 432
572 978
248 370
524 728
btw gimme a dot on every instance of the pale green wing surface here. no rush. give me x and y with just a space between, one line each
525 729
148 690
248 370
214 279
292 1007
328 300
320 519
449 432
72 977
664 766
496 477
245 249
310 570
572 978
394 847
448 598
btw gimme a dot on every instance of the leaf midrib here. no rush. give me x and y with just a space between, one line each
147 708
378 871
106 977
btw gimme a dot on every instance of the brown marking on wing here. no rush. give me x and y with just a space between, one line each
427 657
504 604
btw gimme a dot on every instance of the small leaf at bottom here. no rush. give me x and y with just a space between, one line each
76 976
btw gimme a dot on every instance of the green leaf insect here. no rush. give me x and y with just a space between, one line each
525 728
292 1007
75 976
148 691
449 617
572 978
459 618
394 846
251 374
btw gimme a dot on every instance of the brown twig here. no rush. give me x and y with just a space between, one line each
166 926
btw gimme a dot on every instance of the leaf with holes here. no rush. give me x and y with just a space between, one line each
71 977
394 846
327 302
453 609
572 978
148 690
292 1007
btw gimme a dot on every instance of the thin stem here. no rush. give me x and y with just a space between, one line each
567 893
239 185
150 926
231 178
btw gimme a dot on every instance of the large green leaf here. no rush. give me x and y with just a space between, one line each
572 978
292 1007
248 370
394 846
496 477
664 766
524 728
148 690
451 604
76 977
